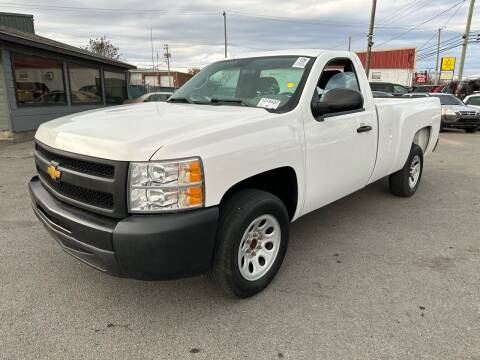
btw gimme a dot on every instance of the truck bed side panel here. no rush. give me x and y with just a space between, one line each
399 120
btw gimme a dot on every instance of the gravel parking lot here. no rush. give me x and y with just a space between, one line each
371 276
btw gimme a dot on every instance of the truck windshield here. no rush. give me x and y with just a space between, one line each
274 83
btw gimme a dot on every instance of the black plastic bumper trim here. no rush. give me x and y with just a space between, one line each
145 247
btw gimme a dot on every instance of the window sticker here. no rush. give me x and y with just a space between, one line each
301 62
268 103
290 85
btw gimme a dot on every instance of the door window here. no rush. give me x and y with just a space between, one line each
338 74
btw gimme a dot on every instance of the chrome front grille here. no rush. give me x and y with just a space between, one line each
467 113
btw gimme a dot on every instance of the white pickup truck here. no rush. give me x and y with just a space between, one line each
209 181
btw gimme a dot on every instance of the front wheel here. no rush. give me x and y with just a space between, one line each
252 241
471 130
405 182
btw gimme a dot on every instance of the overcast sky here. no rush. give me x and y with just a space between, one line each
194 29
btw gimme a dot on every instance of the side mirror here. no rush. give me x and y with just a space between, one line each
337 100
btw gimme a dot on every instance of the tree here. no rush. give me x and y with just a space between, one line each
103 47
193 71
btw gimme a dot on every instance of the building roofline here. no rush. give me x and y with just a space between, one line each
383 50
16 14
18 37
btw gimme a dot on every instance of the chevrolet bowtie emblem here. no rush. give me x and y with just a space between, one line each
54 173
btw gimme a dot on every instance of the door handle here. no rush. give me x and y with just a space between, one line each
364 128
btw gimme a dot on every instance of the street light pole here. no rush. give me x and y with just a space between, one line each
225 31
465 40
437 69
349 43
370 38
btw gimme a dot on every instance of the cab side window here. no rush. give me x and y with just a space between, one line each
338 74
337 91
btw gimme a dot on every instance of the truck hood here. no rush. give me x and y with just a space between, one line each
136 132
460 107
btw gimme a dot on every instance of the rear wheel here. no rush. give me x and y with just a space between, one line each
471 130
252 241
405 182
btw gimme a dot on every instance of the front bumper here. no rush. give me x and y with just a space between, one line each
459 122
145 247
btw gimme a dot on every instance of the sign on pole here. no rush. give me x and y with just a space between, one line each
421 78
448 63
446 75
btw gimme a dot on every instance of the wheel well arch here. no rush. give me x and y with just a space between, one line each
422 138
282 182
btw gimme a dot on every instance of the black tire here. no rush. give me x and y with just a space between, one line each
471 130
236 215
399 181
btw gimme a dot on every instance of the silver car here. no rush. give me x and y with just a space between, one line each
455 114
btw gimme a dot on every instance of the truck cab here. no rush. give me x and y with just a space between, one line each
209 180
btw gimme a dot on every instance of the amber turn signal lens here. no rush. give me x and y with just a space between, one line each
195 171
195 196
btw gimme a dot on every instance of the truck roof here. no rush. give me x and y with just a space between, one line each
295 52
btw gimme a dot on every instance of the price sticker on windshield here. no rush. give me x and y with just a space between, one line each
301 62
268 103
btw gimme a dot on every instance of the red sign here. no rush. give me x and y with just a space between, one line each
421 78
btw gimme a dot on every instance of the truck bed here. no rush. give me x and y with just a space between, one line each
398 122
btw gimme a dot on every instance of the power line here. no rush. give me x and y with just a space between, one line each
420 24
444 42
401 12
317 22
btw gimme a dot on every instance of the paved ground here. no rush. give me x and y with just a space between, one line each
369 277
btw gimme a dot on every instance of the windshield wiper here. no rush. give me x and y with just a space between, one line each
180 100
233 101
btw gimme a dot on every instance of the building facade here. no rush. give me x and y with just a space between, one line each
42 79
158 78
394 66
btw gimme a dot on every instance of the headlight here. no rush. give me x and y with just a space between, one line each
158 186
447 111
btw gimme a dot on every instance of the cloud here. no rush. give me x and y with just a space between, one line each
194 29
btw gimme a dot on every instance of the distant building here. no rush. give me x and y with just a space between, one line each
158 78
395 66
42 79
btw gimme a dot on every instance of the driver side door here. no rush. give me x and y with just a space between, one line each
340 146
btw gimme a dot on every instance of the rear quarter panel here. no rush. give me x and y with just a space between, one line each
399 119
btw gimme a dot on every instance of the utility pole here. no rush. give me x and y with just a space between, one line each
167 56
151 43
349 43
225 31
465 40
437 66
370 38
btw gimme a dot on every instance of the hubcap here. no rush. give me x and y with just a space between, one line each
259 247
415 168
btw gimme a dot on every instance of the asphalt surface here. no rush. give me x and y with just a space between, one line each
371 276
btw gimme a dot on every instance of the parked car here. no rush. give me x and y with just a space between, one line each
206 183
149 97
425 89
455 114
473 101
394 89
415 95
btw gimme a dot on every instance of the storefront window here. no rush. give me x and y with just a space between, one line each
38 81
115 87
85 84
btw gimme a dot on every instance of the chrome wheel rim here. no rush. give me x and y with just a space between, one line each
414 173
259 247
